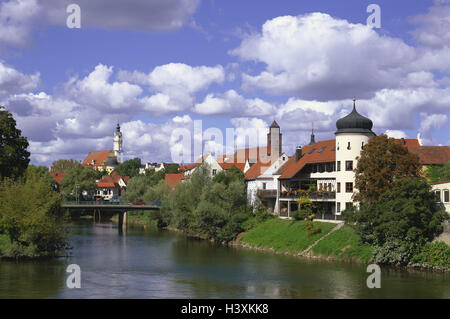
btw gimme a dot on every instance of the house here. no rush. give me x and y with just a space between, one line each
173 179
57 176
111 187
442 192
151 166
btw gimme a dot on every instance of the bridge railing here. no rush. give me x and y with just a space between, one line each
94 203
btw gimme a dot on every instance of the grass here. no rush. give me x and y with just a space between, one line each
284 235
4 242
345 244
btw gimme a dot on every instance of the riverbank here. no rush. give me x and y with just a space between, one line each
333 243
290 237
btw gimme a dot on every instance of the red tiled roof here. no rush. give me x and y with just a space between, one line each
407 141
98 156
187 167
311 154
114 178
102 184
429 155
58 176
173 179
227 166
253 154
255 170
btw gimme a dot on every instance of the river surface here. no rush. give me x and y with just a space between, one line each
163 264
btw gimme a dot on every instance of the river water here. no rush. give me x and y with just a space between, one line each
162 264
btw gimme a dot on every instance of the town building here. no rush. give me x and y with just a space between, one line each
442 192
107 160
324 170
111 187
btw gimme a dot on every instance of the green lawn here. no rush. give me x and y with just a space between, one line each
284 235
344 244
4 242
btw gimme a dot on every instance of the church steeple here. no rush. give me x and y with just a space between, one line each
118 143
313 139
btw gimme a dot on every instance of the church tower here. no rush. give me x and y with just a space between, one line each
274 141
353 132
118 144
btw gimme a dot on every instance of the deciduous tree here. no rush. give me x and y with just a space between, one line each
381 163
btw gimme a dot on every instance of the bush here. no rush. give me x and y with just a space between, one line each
300 214
433 254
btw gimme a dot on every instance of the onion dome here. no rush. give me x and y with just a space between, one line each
354 123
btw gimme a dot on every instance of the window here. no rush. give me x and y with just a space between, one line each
311 151
320 186
348 146
214 172
264 185
348 205
338 166
338 186
349 187
329 187
349 165
446 196
362 145
437 193
284 158
338 207
338 147
320 151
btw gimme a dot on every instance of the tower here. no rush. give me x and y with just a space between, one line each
353 132
118 144
274 141
313 139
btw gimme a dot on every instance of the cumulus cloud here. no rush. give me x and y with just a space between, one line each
18 18
13 81
232 103
320 57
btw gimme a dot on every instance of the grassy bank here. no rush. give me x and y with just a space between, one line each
284 236
137 219
343 244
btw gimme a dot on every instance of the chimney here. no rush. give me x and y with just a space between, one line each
298 153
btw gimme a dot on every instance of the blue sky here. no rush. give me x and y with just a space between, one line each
159 65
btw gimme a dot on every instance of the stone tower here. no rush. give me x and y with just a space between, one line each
118 144
274 141
353 132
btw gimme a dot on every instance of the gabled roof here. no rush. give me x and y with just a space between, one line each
255 170
320 152
187 167
227 166
103 184
98 156
114 178
173 179
407 141
58 176
429 155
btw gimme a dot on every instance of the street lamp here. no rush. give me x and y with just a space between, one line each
77 186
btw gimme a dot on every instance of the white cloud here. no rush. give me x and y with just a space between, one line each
396 134
232 103
319 57
13 81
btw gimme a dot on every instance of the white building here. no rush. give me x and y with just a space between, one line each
442 192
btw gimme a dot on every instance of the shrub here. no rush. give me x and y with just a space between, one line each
433 254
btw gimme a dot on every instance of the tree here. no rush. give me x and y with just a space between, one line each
438 173
62 165
171 168
14 157
381 163
401 221
82 176
42 171
129 168
31 216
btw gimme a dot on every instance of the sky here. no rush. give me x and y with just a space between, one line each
159 67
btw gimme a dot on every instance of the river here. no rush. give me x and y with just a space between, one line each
164 264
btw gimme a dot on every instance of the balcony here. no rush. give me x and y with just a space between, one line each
316 195
267 193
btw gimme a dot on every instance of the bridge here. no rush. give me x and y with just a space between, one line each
113 207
